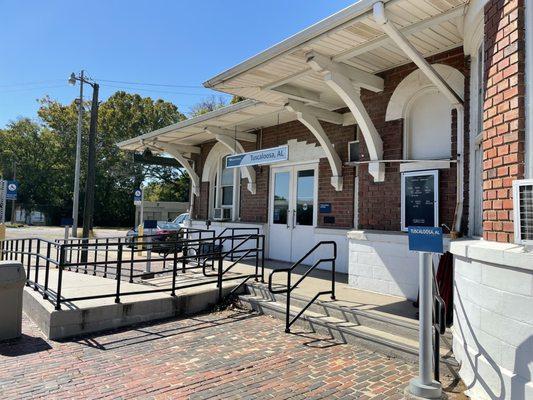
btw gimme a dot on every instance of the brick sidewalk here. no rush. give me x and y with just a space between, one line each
230 354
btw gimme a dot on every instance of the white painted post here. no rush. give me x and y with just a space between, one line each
424 386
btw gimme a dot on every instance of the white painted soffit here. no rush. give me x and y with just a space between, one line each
351 37
245 116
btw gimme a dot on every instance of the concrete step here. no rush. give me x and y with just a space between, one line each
389 323
350 326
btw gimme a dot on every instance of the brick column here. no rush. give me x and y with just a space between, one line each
504 115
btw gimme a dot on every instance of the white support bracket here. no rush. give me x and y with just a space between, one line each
380 16
222 136
339 78
307 117
177 152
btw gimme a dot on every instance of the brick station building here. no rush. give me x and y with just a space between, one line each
382 116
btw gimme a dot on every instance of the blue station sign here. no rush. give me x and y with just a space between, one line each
137 197
425 238
12 189
259 157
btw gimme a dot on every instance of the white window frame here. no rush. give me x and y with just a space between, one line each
216 189
516 210
435 174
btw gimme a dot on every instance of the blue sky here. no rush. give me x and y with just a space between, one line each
165 42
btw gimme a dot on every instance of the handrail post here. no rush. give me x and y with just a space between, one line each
132 257
60 276
37 259
263 258
28 264
333 264
256 258
288 305
95 257
106 258
174 270
47 271
119 272
184 252
219 274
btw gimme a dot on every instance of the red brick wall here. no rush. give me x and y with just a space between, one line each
255 208
504 119
379 202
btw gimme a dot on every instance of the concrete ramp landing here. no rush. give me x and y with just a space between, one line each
93 315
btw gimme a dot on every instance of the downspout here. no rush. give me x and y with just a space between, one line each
457 102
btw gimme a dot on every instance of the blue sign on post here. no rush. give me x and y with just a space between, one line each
137 197
12 188
425 238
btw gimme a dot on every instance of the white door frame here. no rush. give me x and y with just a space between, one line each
293 169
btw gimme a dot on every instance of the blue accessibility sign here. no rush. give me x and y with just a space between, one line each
425 238
12 189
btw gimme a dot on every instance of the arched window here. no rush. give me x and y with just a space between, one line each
428 124
224 184
225 191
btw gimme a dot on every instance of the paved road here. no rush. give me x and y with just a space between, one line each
56 232
223 355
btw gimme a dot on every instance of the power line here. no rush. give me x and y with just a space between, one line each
153 90
153 84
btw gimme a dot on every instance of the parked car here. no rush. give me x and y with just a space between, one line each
183 220
163 233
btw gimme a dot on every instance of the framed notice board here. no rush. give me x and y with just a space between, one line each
420 199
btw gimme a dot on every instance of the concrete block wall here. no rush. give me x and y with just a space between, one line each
493 319
382 263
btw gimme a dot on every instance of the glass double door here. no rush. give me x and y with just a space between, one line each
293 211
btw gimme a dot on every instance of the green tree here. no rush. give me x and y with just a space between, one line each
45 156
210 103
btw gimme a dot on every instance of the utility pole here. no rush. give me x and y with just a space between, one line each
13 201
91 167
76 198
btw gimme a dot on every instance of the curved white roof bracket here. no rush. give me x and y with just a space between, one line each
343 79
307 117
227 138
380 16
457 101
177 152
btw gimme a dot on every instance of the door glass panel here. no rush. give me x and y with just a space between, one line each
281 197
305 197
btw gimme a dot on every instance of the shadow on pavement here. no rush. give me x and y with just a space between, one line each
23 345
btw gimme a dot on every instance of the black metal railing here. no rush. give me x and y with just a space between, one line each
439 325
232 231
116 258
290 287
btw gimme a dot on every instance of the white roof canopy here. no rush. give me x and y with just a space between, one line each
237 119
351 38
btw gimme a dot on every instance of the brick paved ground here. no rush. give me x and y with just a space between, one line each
229 354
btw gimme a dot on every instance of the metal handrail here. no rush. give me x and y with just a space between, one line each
16 248
439 325
289 288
